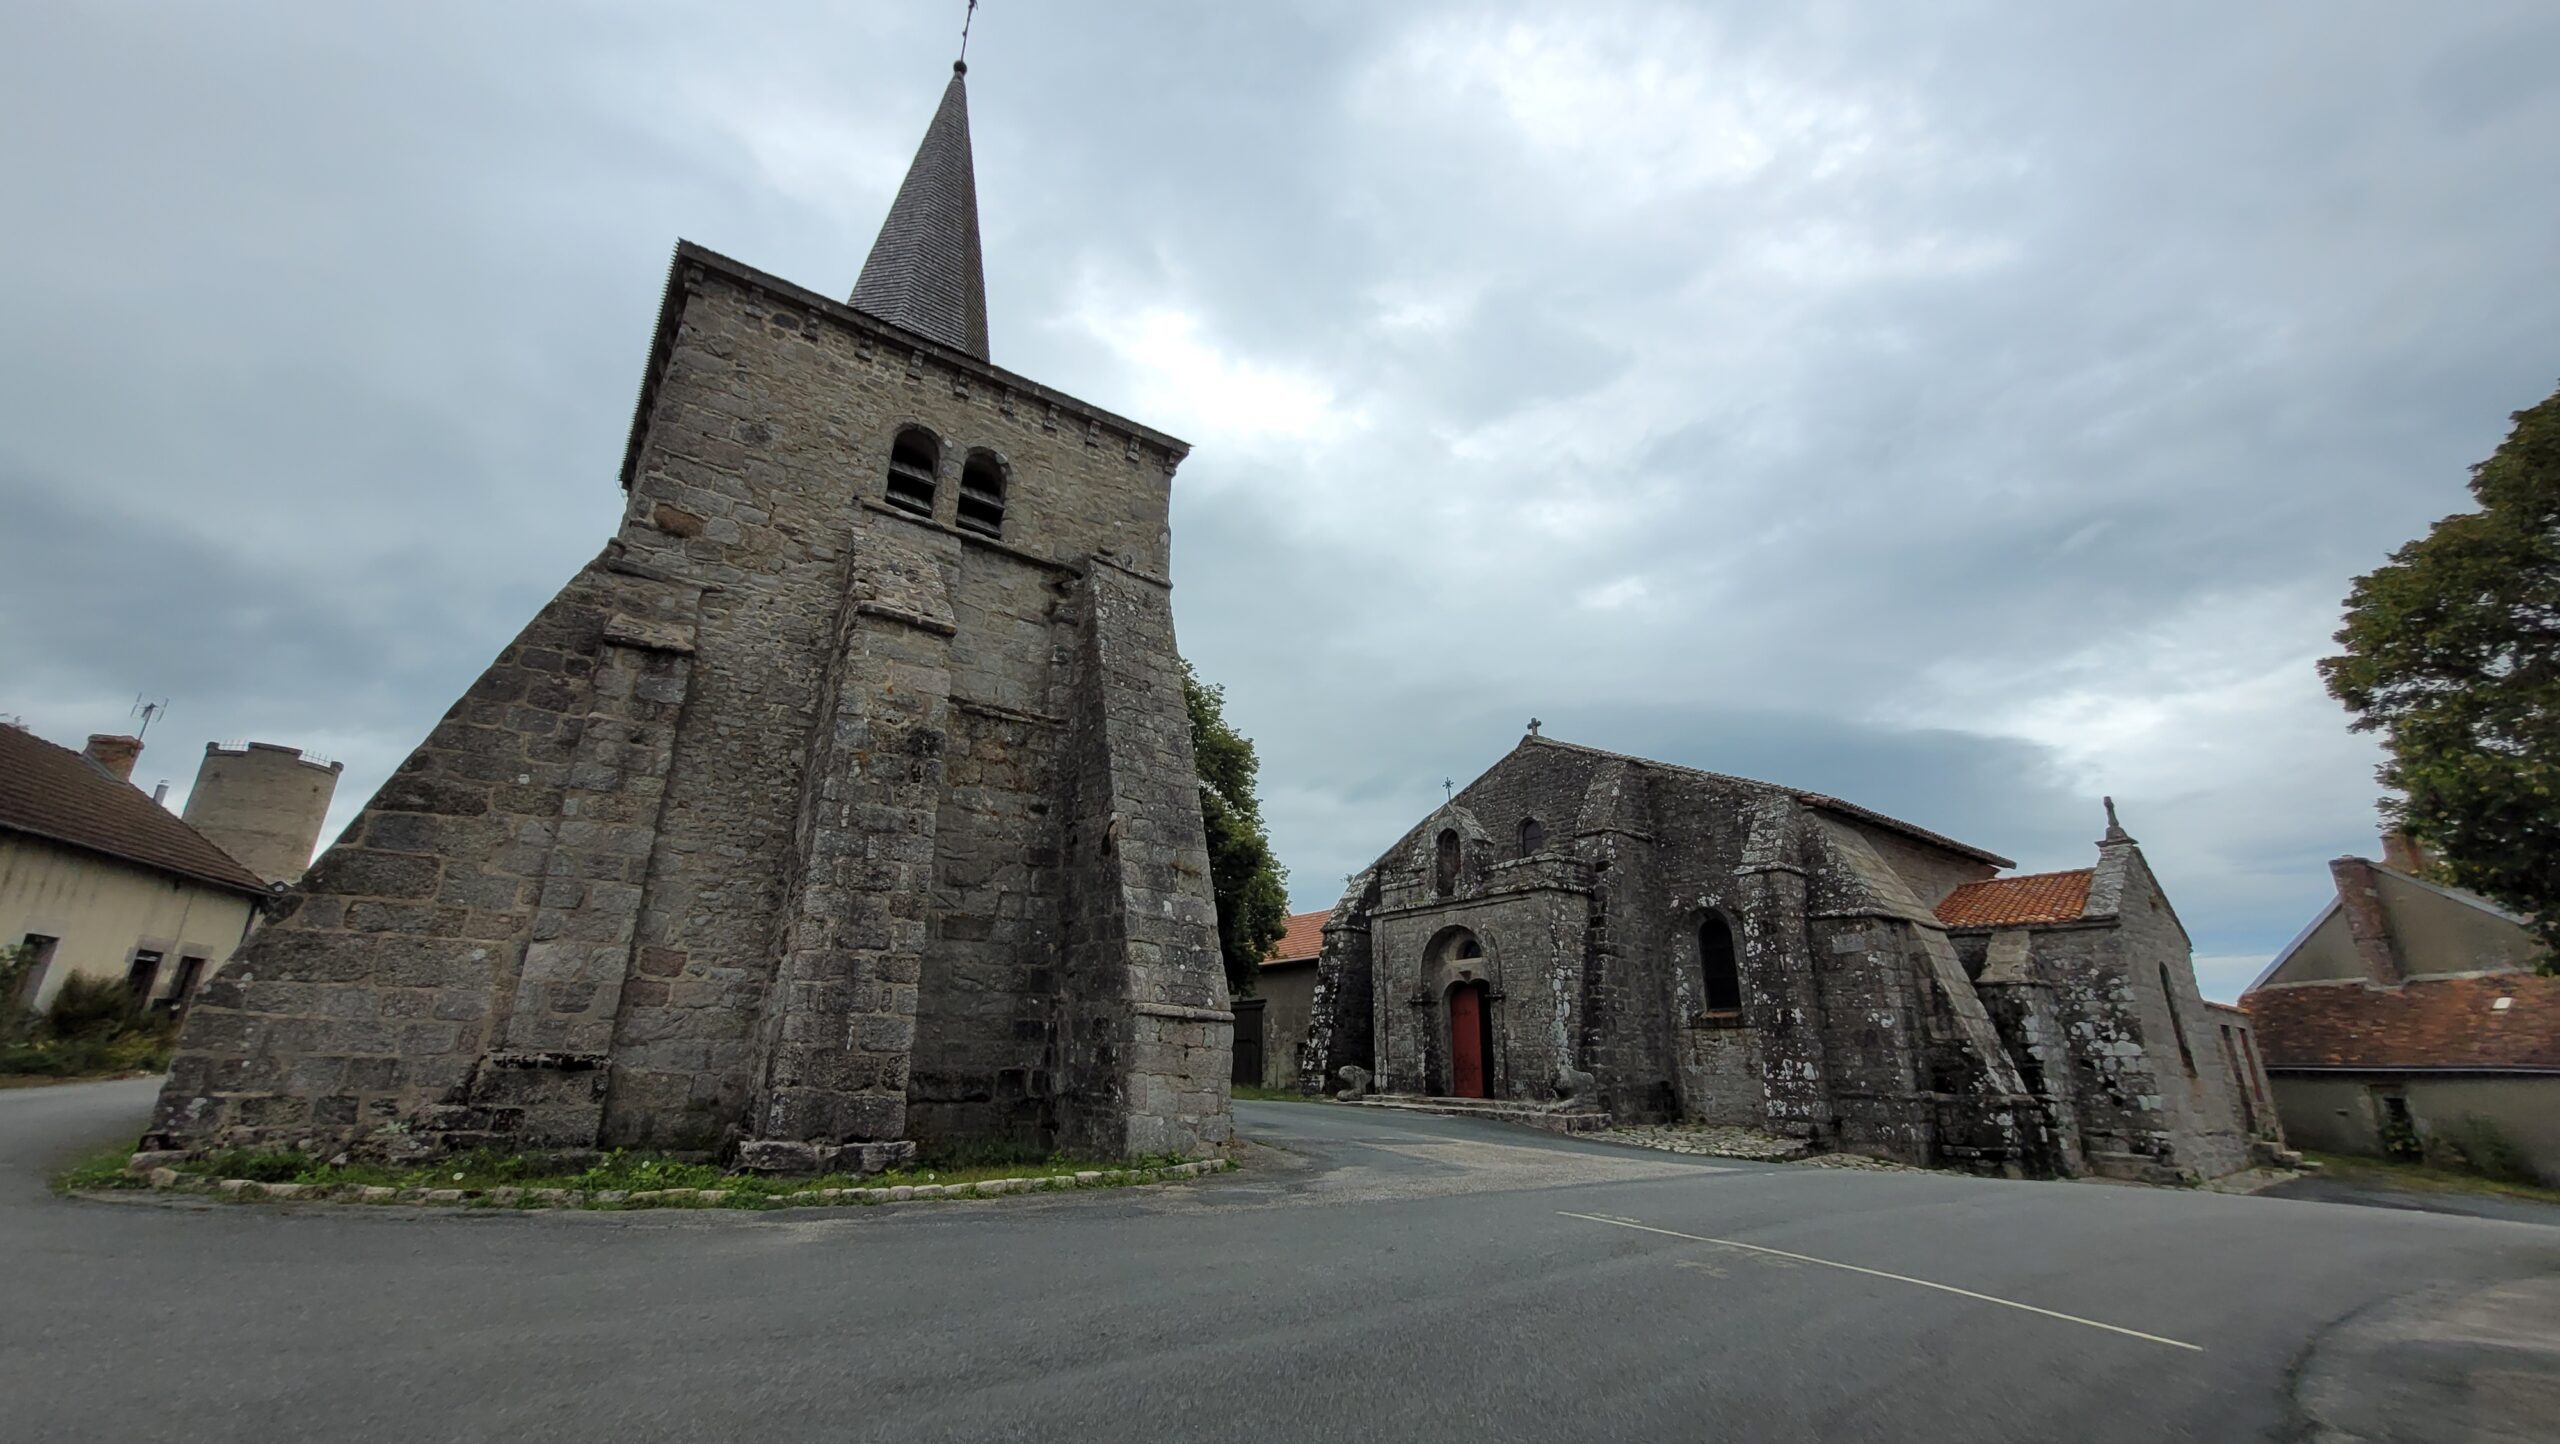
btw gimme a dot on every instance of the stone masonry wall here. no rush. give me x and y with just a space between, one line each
1147 1035
452 966
1341 1013
2141 1094
765 806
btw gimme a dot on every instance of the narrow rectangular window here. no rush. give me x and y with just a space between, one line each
190 973
38 950
141 976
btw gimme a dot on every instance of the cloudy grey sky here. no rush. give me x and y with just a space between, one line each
1967 409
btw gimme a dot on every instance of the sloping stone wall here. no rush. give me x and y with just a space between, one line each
756 839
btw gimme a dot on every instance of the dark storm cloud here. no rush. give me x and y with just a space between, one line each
1963 409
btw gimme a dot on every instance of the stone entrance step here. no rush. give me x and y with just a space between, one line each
1554 1118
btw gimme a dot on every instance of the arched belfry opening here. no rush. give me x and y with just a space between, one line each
1721 969
913 460
982 494
1444 863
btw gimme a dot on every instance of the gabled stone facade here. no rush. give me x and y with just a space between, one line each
845 799
1590 902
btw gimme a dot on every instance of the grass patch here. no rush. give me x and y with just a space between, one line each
99 1170
2424 1177
93 1030
628 1173
1252 1094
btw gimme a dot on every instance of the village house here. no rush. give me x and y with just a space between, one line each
2410 1019
98 880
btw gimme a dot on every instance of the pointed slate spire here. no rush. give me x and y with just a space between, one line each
924 273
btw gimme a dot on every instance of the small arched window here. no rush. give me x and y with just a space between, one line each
913 459
982 494
1533 836
1444 875
1717 962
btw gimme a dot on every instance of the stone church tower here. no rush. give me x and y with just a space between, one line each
845 800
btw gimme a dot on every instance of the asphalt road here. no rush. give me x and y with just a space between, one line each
1367 1276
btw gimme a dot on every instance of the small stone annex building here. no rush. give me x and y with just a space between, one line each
1676 944
845 800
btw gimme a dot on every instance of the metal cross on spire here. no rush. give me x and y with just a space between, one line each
1448 790
965 22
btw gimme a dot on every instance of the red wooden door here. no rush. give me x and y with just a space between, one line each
1466 1041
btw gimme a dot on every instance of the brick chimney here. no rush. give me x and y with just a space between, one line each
116 754
2360 898
2403 853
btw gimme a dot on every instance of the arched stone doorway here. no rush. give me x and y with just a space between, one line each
1470 1040
1464 1060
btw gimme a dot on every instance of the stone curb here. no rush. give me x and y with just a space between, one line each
169 1180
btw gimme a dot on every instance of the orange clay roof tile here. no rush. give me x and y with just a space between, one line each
1303 940
2039 897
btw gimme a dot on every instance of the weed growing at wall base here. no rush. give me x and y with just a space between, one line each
91 1031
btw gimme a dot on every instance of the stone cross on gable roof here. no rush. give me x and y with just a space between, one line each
925 273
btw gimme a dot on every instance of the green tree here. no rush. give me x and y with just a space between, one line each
2452 652
1253 899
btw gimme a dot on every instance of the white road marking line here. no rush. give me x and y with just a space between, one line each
1880 1273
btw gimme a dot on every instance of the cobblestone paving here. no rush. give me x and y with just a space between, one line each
1712 1141
1708 1140
1861 1163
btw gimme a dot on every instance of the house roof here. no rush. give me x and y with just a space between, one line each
2470 900
2036 897
1303 941
1810 799
925 271
57 794
2447 1022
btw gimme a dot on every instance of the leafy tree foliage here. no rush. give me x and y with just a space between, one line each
2452 652
1253 900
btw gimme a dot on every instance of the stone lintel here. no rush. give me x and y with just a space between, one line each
1106 559
1006 714
618 560
917 620
1612 831
1887 914
970 538
1177 1011
650 636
